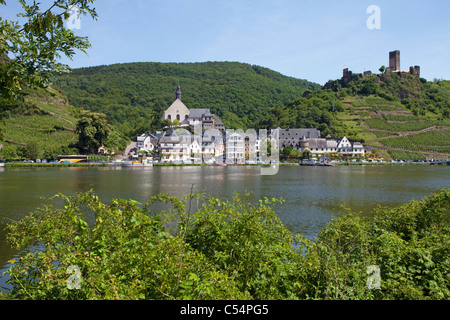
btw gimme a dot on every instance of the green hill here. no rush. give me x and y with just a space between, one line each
399 116
134 95
42 126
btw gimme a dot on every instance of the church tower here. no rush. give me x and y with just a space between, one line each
177 110
179 92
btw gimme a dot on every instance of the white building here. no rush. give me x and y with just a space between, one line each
175 147
195 151
235 148
147 142
322 146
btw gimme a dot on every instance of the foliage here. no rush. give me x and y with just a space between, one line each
93 129
409 244
380 107
316 109
135 95
46 119
30 52
129 252
201 247
416 94
306 154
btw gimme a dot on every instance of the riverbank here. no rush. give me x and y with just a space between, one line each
49 165
156 164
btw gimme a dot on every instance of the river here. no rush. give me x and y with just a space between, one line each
313 195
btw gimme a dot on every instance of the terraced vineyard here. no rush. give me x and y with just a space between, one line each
394 132
44 126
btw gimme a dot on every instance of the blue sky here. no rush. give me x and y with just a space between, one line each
310 40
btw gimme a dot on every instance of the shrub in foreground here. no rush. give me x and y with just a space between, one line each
227 249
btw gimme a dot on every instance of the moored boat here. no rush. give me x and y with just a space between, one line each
143 163
325 162
311 162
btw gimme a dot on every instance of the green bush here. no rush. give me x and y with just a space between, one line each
201 247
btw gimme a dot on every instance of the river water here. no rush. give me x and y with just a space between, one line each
313 195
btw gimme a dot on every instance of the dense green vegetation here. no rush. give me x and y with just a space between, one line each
207 248
381 107
43 125
315 109
419 96
135 95
30 47
397 115
371 108
93 129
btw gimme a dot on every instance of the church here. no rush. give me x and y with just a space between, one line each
191 117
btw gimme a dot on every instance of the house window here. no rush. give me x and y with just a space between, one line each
178 117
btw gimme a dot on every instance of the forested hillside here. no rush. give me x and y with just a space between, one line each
397 116
134 95
400 116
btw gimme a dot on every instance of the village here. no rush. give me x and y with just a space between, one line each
197 136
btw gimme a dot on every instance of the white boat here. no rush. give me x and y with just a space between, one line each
2 164
311 162
143 163
325 162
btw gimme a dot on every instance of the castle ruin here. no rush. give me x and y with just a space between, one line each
394 66
394 61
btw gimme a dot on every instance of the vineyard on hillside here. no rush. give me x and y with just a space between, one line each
395 132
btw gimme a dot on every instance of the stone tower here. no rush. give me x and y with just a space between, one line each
394 61
346 76
415 71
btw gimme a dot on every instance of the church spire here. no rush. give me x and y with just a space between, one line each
179 92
